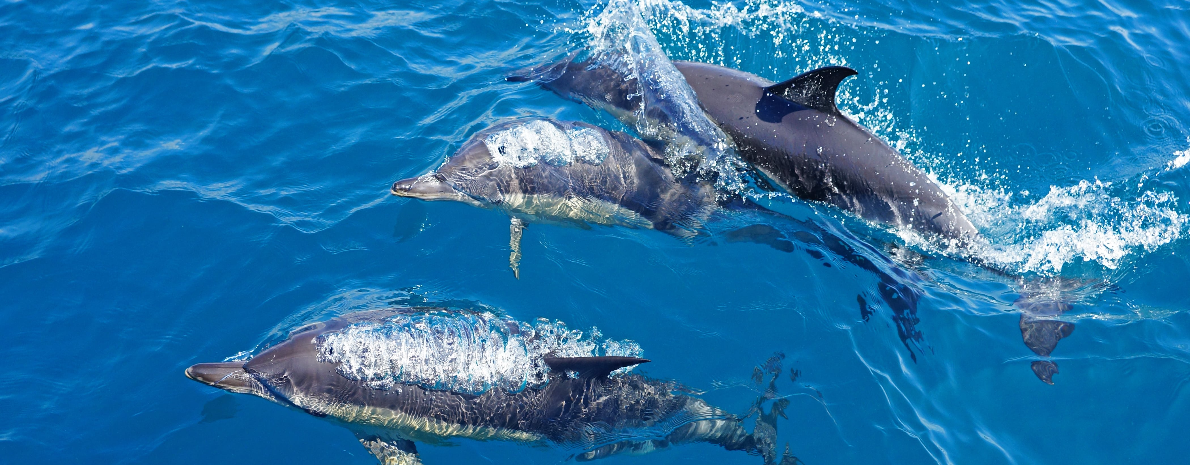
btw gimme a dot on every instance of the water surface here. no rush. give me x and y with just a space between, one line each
181 182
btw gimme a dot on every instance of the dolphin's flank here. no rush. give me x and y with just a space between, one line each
432 375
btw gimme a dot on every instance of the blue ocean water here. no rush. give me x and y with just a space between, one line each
181 182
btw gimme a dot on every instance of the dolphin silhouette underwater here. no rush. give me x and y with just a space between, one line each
406 375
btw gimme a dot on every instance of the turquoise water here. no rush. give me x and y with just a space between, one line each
182 182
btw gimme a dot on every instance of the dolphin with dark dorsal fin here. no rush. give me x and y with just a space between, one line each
794 134
791 132
355 371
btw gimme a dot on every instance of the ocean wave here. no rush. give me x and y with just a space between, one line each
1180 158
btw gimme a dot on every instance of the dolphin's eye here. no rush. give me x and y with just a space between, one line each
439 177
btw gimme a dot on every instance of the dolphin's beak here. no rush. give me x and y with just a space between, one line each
229 376
430 186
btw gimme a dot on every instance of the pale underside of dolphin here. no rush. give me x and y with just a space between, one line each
579 406
544 170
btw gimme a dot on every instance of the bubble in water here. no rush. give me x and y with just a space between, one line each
468 352
525 145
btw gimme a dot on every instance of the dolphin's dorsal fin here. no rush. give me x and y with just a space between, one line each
814 89
591 367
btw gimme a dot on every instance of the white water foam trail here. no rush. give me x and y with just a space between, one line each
460 351
1086 222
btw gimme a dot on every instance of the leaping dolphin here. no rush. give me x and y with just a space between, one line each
433 375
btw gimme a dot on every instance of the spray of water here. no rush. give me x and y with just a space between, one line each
619 39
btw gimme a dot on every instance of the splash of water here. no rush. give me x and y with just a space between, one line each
1181 158
619 38
468 352
1086 222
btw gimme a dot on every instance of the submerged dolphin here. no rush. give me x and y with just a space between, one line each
792 133
432 375
565 172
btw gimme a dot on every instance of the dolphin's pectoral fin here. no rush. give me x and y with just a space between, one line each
516 229
591 367
814 89
391 451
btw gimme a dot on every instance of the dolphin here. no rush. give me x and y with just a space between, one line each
544 170
791 132
432 375
794 135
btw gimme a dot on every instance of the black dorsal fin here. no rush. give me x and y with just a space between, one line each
591 367
814 89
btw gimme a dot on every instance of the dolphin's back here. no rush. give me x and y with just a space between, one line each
581 411
627 184
823 156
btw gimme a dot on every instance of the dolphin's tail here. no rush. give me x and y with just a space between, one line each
1041 303
721 428
730 432
731 435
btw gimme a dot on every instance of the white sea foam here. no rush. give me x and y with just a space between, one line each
1087 222
528 144
468 352
1180 159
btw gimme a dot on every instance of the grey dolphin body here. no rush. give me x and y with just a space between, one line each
794 134
565 172
581 407
791 132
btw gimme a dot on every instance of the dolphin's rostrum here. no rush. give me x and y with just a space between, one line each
432 375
